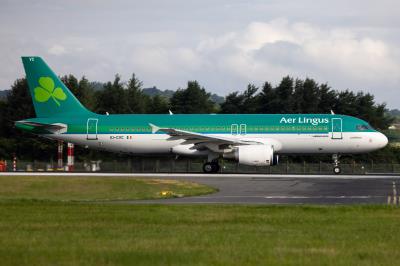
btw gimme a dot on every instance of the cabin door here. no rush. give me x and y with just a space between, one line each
337 126
234 129
92 128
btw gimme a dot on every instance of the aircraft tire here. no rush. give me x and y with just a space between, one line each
215 167
337 170
208 168
211 167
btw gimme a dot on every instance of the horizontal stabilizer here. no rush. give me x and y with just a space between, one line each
54 128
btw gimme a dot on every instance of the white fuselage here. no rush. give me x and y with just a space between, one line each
351 142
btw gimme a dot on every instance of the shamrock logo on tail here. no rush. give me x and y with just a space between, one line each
47 90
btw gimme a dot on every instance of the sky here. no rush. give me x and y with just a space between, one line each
224 44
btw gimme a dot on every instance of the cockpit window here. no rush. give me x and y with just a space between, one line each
362 127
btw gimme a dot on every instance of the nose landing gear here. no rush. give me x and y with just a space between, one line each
336 167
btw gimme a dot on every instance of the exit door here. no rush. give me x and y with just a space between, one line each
337 127
92 128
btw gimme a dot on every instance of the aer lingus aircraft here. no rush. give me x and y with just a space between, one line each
251 139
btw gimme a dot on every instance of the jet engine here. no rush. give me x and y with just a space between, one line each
258 155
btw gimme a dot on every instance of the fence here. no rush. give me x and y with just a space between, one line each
168 165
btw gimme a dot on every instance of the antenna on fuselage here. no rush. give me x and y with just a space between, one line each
332 112
170 112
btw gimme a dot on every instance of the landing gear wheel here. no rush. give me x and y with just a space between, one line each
215 167
208 168
337 170
211 167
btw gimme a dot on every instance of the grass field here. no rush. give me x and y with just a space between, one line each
47 221
51 233
72 188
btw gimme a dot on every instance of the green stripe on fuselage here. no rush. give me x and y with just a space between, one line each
212 124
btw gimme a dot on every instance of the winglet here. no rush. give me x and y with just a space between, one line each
154 128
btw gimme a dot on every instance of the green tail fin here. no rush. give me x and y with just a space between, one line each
49 94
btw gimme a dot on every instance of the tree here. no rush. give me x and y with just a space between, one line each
284 95
233 103
268 102
298 95
192 100
3 118
241 103
327 99
82 90
113 99
137 100
19 106
250 104
345 103
310 97
158 105
71 82
86 94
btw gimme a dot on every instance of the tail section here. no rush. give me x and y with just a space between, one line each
49 94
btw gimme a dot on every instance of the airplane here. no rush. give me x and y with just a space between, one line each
250 139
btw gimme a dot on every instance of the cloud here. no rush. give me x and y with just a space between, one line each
223 44
260 51
269 50
57 50
302 49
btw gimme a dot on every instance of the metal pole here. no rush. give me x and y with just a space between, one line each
394 194
60 155
70 158
14 162
157 165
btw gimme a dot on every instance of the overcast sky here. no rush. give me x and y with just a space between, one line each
223 44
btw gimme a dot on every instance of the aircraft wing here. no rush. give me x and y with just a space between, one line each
189 135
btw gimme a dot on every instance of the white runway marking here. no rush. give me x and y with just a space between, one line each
322 197
291 197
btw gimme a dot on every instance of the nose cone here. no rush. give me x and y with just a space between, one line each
381 140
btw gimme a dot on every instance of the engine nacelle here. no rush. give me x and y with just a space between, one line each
258 155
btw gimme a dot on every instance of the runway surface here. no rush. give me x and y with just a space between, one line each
279 189
291 190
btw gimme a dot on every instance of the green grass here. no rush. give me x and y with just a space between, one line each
71 188
51 233
43 221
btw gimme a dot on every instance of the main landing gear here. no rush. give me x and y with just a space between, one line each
211 167
336 167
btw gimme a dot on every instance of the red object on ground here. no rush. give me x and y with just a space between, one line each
70 158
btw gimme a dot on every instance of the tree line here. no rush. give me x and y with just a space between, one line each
289 96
